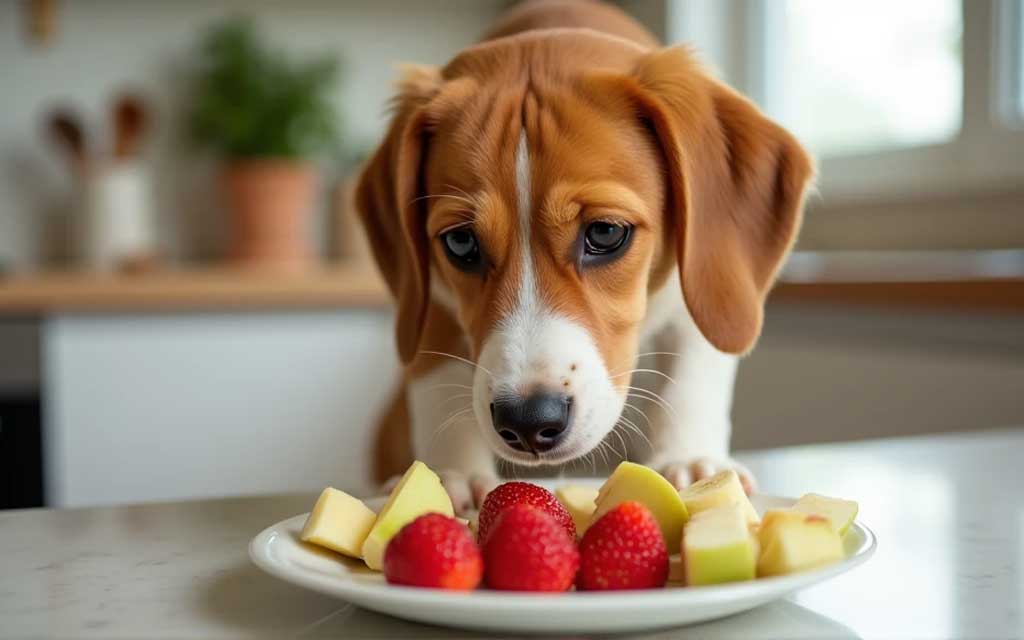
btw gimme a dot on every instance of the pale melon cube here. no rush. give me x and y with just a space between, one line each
338 522
580 502
718 490
419 492
839 513
632 481
718 547
793 542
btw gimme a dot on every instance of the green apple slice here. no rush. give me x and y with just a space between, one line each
718 490
793 542
338 522
580 502
420 491
840 513
632 481
718 547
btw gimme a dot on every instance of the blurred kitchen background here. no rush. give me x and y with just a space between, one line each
186 304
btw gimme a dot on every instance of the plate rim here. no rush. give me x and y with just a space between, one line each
574 600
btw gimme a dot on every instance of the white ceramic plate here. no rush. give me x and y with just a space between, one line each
278 551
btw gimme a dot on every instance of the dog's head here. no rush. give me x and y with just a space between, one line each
541 189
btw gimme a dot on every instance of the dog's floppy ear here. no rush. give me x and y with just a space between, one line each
387 201
737 183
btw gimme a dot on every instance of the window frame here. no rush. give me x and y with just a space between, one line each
986 155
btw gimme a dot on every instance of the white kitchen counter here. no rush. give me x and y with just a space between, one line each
948 512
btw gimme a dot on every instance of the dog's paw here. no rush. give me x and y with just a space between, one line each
683 473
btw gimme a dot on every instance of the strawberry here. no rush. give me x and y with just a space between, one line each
512 493
624 549
528 550
434 551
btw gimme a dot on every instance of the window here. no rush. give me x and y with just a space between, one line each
907 99
846 81
1011 32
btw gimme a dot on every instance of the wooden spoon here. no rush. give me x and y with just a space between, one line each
130 119
65 129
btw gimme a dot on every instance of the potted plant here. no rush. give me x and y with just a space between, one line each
267 116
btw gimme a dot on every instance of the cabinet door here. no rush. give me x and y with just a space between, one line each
21 459
143 408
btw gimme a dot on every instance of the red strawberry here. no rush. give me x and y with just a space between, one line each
512 493
528 550
624 549
434 551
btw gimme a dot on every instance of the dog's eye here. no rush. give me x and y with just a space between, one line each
604 238
462 248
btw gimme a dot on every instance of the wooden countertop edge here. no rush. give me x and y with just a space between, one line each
213 290
344 287
1001 295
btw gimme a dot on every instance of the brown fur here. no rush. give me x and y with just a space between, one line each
617 130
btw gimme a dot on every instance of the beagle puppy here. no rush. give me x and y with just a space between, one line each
579 228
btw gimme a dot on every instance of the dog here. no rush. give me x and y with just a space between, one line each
579 228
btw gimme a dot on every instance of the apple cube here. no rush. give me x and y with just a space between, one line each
419 492
338 522
793 542
580 502
718 547
718 490
839 513
632 481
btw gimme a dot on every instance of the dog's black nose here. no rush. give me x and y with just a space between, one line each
535 423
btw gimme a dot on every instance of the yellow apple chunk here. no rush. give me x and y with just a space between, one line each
839 513
721 489
793 542
338 522
419 492
718 547
632 481
580 502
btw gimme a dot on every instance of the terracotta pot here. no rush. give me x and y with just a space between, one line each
270 202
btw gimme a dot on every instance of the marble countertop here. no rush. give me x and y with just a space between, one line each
948 511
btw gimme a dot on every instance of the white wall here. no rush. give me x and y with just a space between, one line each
103 46
144 408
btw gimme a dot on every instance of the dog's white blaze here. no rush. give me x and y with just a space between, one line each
535 347
528 303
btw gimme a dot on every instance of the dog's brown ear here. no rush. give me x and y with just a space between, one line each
737 183
387 199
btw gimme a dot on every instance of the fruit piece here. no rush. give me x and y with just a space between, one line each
718 547
528 550
623 549
418 492
632 481
675 569
718 490
339 522
793 541
580 503
434 551
839 513
511 493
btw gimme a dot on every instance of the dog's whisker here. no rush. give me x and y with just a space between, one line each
450 196
460 359
652 371
659 353
647 419
448 384
461 191
450 420
651 396
460 396
633 428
